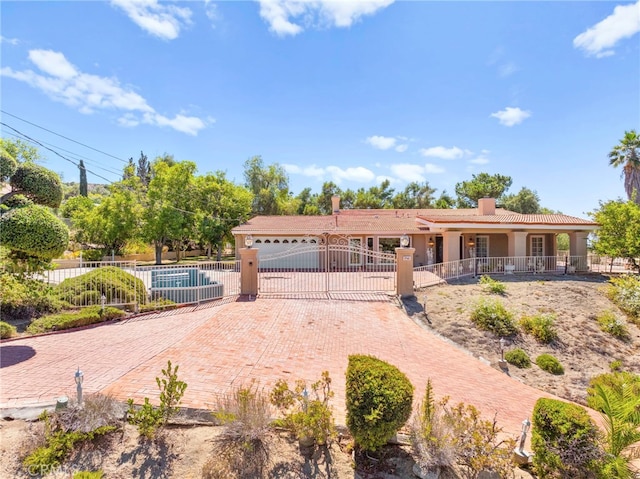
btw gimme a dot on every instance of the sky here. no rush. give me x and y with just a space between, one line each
350 92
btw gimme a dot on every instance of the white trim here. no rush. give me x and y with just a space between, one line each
486 237
531 238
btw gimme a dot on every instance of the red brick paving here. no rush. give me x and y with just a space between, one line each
263 340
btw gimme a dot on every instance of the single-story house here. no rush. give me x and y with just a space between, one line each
438 235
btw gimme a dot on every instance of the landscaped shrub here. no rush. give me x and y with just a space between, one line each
540 326
149 418
550 364
616 381
609 323
88 475
24 298
115 284
74 319
59 443
518 357
491 315
625 292
157 304
564 440
491 285
615 365
7 330
97 410
378 400
306 412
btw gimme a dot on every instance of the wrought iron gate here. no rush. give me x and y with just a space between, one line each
336 264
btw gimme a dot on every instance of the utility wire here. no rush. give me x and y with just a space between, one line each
65 137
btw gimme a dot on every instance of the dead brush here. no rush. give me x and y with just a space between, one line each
97 410
241 449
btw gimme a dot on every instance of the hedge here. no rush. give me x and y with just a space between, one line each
73 319
114 283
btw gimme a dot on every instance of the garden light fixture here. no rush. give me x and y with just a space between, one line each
404 241
79 378
248 241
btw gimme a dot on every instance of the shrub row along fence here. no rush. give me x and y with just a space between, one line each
131 286
441 272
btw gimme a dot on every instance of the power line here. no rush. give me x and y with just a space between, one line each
65 137
74 155
53 151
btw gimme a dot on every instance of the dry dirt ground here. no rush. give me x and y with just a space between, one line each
182 451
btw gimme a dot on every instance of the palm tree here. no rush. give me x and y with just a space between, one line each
627 154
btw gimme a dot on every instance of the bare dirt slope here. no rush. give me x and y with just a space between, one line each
582 348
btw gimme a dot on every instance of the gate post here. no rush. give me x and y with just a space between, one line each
249 271
404 272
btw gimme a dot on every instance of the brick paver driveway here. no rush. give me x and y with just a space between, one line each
236 342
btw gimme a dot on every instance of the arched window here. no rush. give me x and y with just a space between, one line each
276 241
258 241
267 241
294 241
313 241
285 241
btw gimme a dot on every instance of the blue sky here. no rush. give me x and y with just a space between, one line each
353 93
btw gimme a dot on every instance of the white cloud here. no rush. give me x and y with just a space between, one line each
511 116
358 174
312 170
599 40
212 12
281 14
431 168
162 20
381 142
408 172
402 148
62 81
10 41
443 152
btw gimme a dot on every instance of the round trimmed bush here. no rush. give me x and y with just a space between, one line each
518 357
550 364
7 330
379 398
115 284
34 231
38 183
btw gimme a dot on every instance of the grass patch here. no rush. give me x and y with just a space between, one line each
610 323
540 326
492 286
491 315
550 364
73 319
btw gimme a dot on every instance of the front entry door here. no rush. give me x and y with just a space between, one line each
439 249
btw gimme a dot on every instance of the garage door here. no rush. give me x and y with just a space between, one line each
287 252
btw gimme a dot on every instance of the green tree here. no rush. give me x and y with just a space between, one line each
269 185
526 201
415 196
329 189
627 154
307 203
222 205
171 203
31 232
619 233
482 185
144 169
445 201
84 189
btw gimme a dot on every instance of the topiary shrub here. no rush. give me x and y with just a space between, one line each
379 398
518 357
115 284
74 319
564 440
7 330
34 231
550 364
38 183
491 315
540 326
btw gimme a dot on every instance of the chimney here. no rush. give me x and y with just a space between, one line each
335 204
486 206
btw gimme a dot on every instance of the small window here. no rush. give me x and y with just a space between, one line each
258 241
285 241
313 241
303 241
276 241
294 241
267 241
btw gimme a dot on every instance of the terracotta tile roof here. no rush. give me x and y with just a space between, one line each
509 218
329 224
396 221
